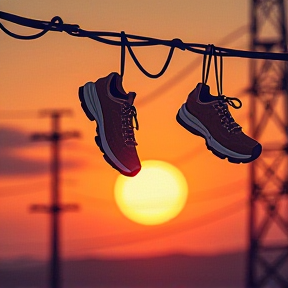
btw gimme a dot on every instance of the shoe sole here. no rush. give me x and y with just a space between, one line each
91 106
192 124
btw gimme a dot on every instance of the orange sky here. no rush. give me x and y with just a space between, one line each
46 73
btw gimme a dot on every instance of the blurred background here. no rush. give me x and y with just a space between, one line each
206 244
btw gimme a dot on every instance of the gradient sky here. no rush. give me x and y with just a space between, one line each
46 73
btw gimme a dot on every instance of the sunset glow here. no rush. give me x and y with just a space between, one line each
154 196
46 73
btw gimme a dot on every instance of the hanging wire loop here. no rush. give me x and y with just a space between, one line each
57 24
123 52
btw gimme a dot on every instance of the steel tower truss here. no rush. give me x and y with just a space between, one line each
268 219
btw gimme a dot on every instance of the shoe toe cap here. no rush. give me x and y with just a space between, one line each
257 150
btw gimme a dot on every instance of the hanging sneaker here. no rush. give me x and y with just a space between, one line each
208 116
106 102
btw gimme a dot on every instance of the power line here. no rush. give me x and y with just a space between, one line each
153 233
218 193
158 232
186 71
18 114
23 184
90 198
17 193
57 24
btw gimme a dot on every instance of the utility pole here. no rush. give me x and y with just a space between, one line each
268 219
55 207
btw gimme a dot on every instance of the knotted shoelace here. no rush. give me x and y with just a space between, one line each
128 114
227 120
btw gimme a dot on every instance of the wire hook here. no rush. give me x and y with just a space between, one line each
206 66
123 53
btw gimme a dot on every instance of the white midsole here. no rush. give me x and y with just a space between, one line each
193 122
93 104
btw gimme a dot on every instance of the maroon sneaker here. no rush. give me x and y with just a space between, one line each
106 102
208 116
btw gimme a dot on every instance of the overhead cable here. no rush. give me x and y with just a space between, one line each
127 40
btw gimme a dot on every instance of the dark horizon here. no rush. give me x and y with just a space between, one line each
174 270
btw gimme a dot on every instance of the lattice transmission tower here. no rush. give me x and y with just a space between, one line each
268 218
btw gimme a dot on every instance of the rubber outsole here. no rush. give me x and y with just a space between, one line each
98 138
83 104
255 153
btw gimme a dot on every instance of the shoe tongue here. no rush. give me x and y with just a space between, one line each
130 97
118 83
205 95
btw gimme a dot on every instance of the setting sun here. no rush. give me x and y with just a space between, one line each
154 196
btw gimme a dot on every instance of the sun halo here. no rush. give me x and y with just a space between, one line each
157 194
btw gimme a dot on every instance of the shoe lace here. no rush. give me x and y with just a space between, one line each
128 114
227 120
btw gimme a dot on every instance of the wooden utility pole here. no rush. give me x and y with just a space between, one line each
55 207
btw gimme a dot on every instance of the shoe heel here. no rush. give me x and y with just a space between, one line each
84 105
187 127
99 143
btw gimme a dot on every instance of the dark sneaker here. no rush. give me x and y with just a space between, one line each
208 116
106 102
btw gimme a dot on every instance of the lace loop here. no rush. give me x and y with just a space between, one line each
227 120
207 62
176 43
128 114
134 115
232 101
